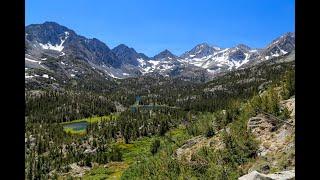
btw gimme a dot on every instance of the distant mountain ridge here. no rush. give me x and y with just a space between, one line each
57 41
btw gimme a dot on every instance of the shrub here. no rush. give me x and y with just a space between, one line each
155 146
116 154
285 114
210 132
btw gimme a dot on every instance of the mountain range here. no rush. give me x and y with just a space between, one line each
52 48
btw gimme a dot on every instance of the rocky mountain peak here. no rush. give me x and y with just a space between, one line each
290 34
203 45
280 46
123 48
199 51
243 47
143 56
166 54
48 32
126 54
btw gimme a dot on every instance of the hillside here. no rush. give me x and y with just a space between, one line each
153 125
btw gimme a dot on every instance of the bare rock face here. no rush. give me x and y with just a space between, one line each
189 148
283 175
274 137
260 124
77 171
119 107
277 144
186 151
254 175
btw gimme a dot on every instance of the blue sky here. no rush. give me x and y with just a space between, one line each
151 26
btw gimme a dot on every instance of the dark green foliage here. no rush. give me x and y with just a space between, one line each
155 146
285 114
115 154
60 107
288 85
210 132
220 120
87 161
164 127
268 102
146 122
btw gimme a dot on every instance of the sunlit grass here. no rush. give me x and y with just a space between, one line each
93 119
134 152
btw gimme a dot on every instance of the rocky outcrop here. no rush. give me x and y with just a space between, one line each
273 136
119 107
215 88
188 148
260 124
78 171
263 86
284 175
276 137
193 145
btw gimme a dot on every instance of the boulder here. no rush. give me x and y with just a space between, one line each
77 171
90 151
283 175
254 175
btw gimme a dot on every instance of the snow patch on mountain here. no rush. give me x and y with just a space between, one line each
56 47
113 76
166 66
32 60
28 77
141 62
283 52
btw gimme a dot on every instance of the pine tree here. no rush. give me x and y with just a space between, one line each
155 146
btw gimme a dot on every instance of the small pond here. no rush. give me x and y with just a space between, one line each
76 126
